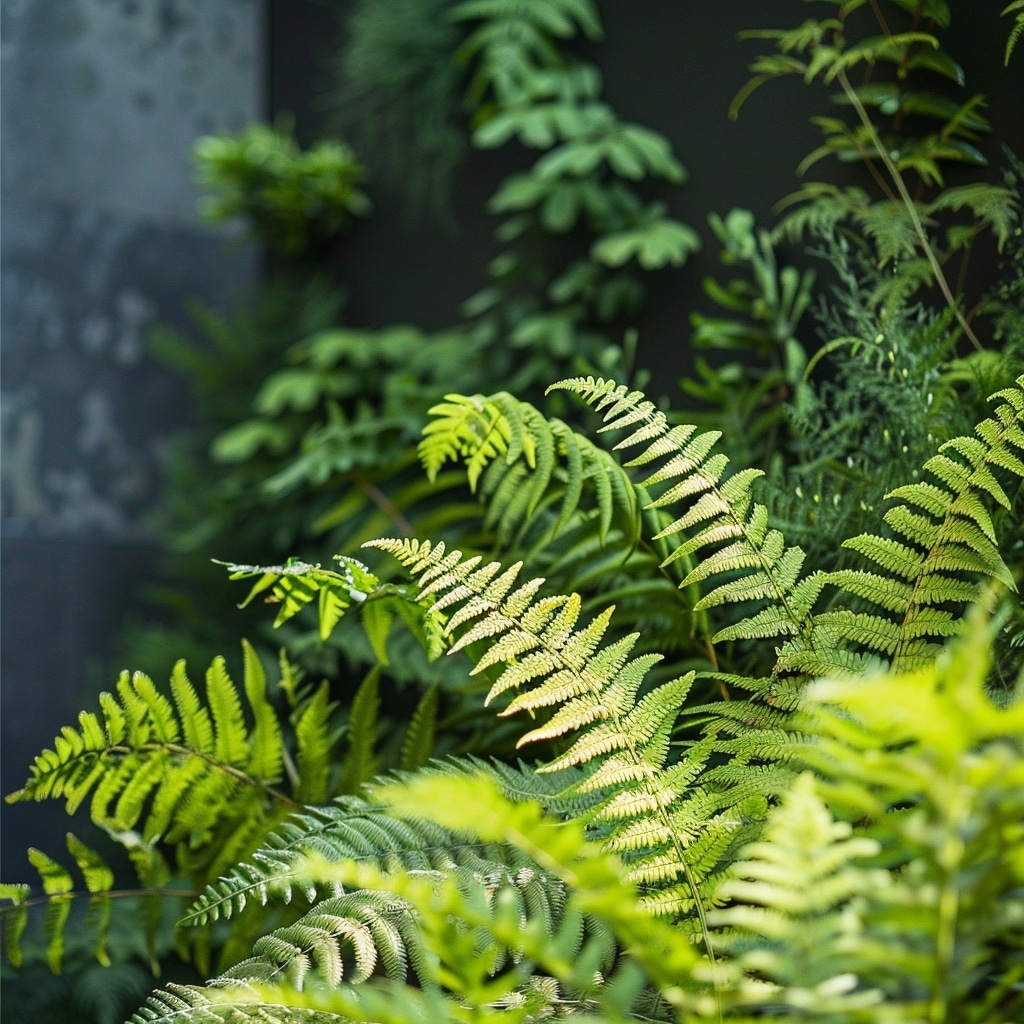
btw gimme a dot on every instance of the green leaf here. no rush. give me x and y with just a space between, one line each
313 748
660 243
97 873
56 880
378 617
360 762
418 743
266 751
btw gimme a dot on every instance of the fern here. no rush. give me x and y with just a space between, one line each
944 781
879 138
591 688
352 829
721 527
1017 29
486 433
234 1002
793 929
58 889
943 542
567 969
184 771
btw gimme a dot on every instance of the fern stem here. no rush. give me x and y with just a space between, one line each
679 847
227 769
950 858
911 207
381 500
111 894
881 18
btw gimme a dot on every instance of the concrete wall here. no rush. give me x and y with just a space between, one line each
101 101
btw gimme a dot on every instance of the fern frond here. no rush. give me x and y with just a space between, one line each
345 937
592 685
190 772
59 893
297 584
795 895
231 1001
1017 29
348 830
893 747
719 525
943 545
530 461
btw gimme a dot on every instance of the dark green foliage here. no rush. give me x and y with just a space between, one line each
397 97
525 87
907 229
293 201
756 327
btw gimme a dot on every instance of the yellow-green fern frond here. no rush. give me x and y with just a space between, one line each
793 928
592 686
523 462
718 527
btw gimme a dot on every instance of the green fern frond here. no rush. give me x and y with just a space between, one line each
313 747
719 526
529 461
346 937
353 830
15 917
1017 29
593 688
190 772
943 545
59 893
597 890
795 894
233 1002
360 759
418 742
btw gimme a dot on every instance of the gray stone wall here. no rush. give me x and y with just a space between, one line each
100 239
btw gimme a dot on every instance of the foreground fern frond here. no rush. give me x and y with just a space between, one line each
793 917
670 836
561 970
349 830
229 1003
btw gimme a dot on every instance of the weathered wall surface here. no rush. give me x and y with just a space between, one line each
101 101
